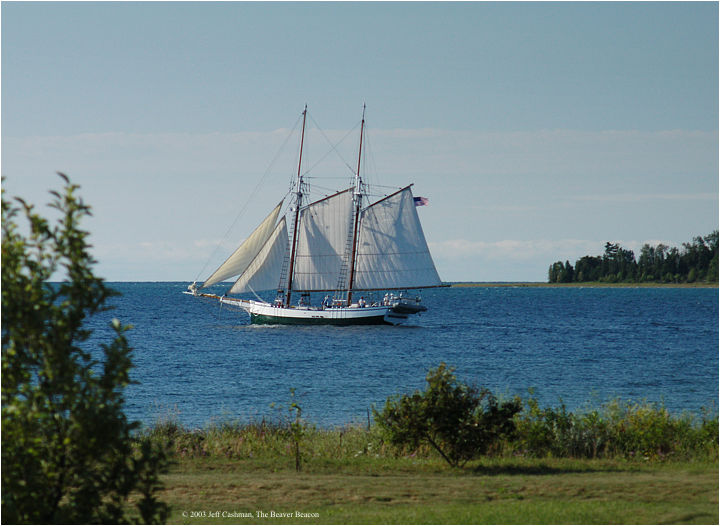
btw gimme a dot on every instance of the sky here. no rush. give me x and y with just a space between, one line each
538 131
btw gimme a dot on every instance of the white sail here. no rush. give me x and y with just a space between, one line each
322 238
392 252
246 252
263 272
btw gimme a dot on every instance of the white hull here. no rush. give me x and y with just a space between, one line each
267 313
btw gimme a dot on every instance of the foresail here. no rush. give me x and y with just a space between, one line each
322 239
241 258
263 273
392 252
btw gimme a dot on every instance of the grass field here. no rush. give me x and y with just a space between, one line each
409 491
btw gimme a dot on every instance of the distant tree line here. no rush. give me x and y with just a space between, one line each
693 262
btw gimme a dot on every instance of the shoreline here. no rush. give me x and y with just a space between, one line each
591 284
531 284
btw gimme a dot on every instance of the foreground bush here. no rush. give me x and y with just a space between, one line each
68 455
459 421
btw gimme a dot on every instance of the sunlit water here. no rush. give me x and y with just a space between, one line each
199 363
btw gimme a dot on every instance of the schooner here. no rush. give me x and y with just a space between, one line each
339 245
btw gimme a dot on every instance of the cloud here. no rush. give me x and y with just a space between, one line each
398 151
511 249
636 198
160 200
533 249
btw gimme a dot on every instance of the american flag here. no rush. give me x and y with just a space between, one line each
421 201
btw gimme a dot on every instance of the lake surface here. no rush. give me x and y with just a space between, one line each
198 363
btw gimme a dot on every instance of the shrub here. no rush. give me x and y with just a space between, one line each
618 429
459 421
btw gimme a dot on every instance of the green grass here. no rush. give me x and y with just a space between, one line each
405 491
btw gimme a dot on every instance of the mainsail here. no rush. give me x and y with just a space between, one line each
322 240
392 252
246 252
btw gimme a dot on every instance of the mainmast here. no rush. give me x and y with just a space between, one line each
357 197
298 202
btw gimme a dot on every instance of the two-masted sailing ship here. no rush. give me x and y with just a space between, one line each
341 245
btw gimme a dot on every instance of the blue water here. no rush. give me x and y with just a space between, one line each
199 363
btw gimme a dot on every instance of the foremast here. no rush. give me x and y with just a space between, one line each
298 204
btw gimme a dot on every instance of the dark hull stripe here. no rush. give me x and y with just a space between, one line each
281 320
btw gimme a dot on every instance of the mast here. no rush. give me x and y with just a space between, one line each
358 201
298 202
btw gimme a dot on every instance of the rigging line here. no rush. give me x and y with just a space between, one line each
250 199
371 173
323 177
332 146
258 297
395 187
325 190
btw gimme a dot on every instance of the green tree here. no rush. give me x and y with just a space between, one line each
459 421
555 272
712 273
588 268
68 455
561 273
568 273
646 263
712 266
